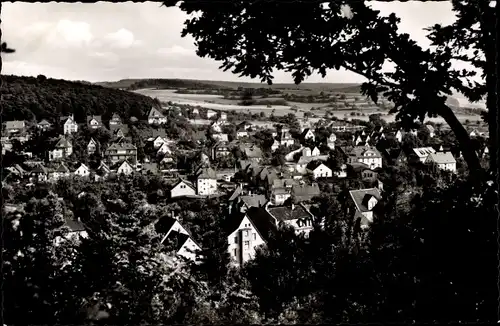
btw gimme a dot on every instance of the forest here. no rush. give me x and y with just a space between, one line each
37 98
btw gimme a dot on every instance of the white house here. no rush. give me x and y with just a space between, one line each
223 116
319 170
182 188
94 122
220 137
442 161
301 166
62 149
308 134
164 149
243 133
217 126
315 152
330 142
206 182
156 117
82 171
423 152
431 130
275 145
91 146
296 216
367 155
176 237
70 126
60 172
125 168
211 114
306 152
249 231
158 141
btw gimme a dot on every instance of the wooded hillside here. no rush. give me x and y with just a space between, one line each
29 98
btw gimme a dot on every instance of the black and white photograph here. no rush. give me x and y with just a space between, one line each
190 162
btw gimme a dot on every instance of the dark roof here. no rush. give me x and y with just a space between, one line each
262 220
74 225
16 124
314 164
155 113
305 192
62 168
285 213
164 224
207 173
96 117
360 197
187 183
236 193
39 168
254 200
176 240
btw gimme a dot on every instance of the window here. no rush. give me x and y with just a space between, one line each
246 233
247 244
255 236
235 239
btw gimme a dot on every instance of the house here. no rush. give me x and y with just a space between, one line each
431 130
60 172
223 116
246 232
164 149
301 166
76 230
368 174
14 127
182 188
216 126
82 171
149 168
206 182
103 171
226 174
241 133
44 125
290 157
243 203
308 134
245 125
442 161
279 196
286 138
304 193
158 141
94 122
220 149
156 117
69 125
220 137
115 120
195 111
296 216
276 144
330 142
365 154
203 159
176 237
62 149
319 170
120 151
125 168
120 132
364 201
91 146
17 170
421 153
211 114
39 173
399 135
253 153
473 133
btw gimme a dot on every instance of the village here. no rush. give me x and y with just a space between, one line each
264 183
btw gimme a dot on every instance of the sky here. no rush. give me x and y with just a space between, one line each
111 41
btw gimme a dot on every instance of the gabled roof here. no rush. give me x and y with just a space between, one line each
207 173
94 117
74 225
315 164
15 124
62 168
284 183
308 159
286 213
358 196
44 123
441 157
423 151
359 151
254 200
104 167
253 152
125 162
176 240
236 193
121 145
83 166
155 113
263 222
187 183
63 142
39 168
305 192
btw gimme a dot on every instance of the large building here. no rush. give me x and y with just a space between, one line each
119 152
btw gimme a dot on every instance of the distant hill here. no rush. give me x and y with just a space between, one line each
30 97
215 84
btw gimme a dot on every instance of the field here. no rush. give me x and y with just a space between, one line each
218 103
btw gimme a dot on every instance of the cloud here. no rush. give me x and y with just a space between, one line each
67 33
123 38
